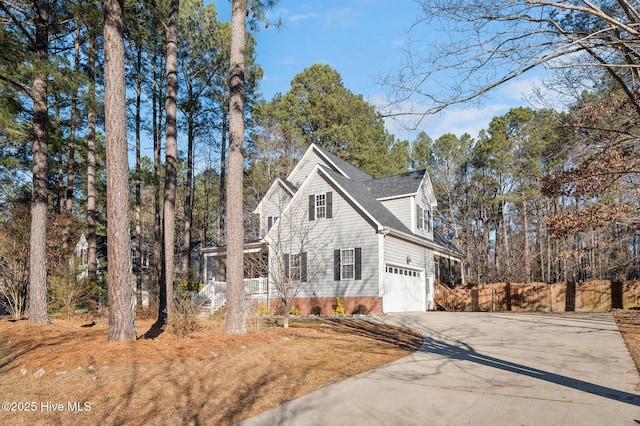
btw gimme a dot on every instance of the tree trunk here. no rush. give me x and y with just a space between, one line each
171 153
39 197
138 189
157 224
222 239
235 321
525 231
188 209
122 324
92 263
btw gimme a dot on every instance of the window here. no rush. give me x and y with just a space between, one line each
270 221
320 206
347 264
295 266
402 271
423 220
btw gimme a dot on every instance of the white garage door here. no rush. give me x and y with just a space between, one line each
404 290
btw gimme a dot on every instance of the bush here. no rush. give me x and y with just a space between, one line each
338 308
184 316
316 310
295 311
262 310
360 310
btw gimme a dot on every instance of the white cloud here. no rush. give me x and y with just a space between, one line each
303 17
340 19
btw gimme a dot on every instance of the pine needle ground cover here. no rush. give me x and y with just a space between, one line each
67 372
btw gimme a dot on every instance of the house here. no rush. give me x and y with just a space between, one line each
334 231
139 264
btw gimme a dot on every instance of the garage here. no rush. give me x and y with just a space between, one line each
404 290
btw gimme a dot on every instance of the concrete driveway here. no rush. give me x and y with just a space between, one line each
486 369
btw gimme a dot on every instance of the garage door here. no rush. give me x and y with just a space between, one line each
404 290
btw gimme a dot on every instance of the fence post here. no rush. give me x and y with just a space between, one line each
570 302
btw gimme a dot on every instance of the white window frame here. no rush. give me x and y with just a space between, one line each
321 206
424 218
295 267
347 264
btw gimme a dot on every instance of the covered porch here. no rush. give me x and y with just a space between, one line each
256 282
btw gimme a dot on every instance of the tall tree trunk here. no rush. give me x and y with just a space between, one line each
122 324
222 228
39 197
235 322
92 262
138 190
525 231
171 152
157 224
188 203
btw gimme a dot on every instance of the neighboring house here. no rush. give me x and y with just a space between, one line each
139 264
339 233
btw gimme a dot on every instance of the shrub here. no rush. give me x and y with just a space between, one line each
295 311
338 308
316 310
262 310
361 310
184 316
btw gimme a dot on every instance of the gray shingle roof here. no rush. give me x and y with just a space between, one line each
402 184
364 196
368 201
350 170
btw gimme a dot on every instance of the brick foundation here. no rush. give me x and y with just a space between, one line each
327 305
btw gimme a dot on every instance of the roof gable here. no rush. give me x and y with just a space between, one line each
331 161
287 186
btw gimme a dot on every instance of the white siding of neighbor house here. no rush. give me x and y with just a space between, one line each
401 208
305 167
345 230
273 206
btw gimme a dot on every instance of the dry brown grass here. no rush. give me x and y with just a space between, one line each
628 322
209 378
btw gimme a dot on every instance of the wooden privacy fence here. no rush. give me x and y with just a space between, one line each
590 296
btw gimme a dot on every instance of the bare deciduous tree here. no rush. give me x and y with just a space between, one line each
297 252
492 42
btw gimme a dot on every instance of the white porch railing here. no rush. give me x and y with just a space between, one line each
216 292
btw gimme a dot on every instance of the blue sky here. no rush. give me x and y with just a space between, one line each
363 40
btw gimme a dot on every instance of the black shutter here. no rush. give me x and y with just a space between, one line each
358 260
303 267
269 222
329 205
418 222
336 265
312 207
286 265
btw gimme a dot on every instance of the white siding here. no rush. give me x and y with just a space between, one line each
273 207
346 229
397 252
401 208
423 200
304 168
